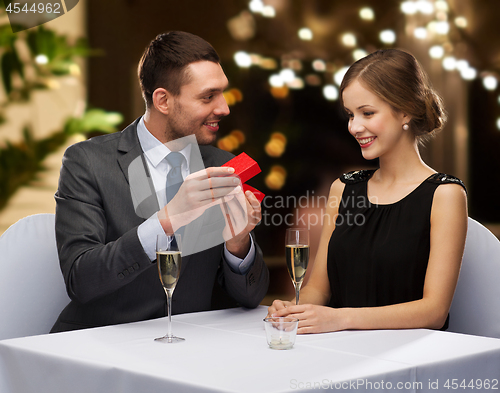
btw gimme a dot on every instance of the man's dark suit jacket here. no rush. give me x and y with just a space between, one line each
108 276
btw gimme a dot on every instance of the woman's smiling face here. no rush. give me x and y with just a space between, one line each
373 122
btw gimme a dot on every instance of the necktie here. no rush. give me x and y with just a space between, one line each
174 176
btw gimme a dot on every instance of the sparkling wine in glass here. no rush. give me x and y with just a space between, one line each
297 256
169 261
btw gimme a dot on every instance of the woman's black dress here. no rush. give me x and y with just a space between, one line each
378 254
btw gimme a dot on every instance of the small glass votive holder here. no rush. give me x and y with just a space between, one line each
281 332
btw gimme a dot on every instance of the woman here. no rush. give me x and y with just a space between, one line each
392 244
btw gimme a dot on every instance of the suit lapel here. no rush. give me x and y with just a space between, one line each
136 173
129 146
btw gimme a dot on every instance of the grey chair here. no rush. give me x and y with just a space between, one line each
476 305
32 290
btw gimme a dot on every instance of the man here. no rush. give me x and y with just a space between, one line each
106 237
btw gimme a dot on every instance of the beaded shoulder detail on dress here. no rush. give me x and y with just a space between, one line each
357 176
443 178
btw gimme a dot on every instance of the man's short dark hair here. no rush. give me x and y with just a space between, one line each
163 63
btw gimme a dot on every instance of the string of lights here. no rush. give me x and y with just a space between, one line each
431 22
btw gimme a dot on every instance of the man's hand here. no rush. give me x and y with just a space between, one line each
199 191
242 213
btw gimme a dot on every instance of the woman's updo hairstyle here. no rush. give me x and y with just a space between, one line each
397 78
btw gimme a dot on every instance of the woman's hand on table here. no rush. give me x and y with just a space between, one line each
278 305
312 318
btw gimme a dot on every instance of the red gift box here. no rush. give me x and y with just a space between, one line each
246 168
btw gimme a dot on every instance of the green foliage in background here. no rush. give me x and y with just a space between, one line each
32 60
21 162
47 55
94 121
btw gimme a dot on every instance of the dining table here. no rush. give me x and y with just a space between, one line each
226 351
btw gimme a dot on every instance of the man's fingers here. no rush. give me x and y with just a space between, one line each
239 202
214 194
236 213
252 199
216 182
213 172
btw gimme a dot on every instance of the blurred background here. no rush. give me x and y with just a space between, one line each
75 77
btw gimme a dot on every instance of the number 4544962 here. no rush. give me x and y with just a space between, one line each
48 8
471 384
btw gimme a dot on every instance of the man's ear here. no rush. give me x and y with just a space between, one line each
162 99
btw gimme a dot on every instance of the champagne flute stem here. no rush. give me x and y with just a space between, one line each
297 290
169 311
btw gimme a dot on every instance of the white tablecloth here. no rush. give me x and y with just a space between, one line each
226 351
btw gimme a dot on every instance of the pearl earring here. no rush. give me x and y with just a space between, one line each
406 127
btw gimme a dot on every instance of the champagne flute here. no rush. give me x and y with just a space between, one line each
169 261
297 256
